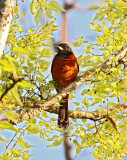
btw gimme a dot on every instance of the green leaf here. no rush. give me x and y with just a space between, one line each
31 30
77 147
49 13
25 156
46 133
57 142
69 129
94 6
42 134
44 65
92 28
96 26
78 109
33 129
6 156
109 142
38 15
25 84
16 152
47 125
16 9
15 95
1 139
60 130
52 138
6 125
47 53
77 44
44 114
22 15
42 123
56 7
101 40
77 103
81 39
85 102
71 96
32 7
96 100
31 121
97 16
9 58
12 115
24 144
85 91
21 50
6 66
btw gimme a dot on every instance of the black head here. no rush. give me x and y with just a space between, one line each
64 49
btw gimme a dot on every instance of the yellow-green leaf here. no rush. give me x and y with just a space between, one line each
57 142
44 65
24 144
15 95
38 15
12 115
21 50
77 147
6 125
33 129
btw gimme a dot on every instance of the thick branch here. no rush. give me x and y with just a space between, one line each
6 11
73 114
94 115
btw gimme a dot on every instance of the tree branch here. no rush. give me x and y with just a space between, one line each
73 114
10 87
94 115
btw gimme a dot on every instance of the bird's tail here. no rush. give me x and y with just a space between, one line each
63 120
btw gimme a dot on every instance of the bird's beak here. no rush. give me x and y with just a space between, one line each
60 48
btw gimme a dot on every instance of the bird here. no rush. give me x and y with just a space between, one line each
64 71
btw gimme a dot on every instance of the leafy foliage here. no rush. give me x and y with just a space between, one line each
29 56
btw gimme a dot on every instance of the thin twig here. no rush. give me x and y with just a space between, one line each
10 87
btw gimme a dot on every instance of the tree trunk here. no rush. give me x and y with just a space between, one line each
6 12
